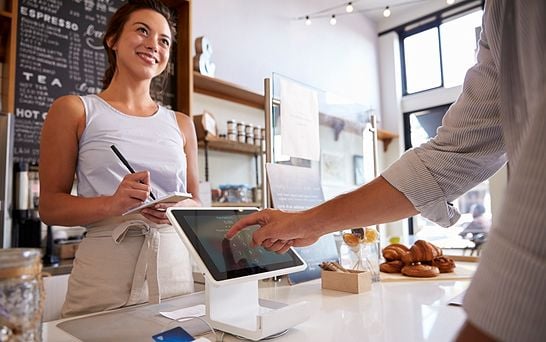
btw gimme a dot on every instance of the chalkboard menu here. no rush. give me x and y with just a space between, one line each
60 52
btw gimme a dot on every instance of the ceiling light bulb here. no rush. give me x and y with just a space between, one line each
387 12
333 20
450 2
307 21
349 7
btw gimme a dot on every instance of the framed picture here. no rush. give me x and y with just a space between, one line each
332 168
358 164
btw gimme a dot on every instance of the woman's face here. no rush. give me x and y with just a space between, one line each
143 47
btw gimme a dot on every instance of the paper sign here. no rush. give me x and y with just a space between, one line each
299 121
298 188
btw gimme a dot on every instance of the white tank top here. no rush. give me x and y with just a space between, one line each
154 143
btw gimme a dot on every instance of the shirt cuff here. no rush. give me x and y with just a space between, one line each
411 177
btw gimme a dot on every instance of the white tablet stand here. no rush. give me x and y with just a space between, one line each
235 308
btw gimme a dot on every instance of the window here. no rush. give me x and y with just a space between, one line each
422 59
438 52
419 127
459 39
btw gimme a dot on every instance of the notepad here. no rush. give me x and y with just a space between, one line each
170 198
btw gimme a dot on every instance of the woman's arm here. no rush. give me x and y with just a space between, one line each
190 149
59 143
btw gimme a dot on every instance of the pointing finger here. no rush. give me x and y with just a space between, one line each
243 223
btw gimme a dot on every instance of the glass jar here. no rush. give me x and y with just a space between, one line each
232 126
361 257
351 257
370 259
21 295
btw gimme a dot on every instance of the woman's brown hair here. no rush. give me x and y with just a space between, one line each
115 27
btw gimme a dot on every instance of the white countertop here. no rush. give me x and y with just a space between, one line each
391 311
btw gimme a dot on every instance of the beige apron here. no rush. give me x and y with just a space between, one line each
125 261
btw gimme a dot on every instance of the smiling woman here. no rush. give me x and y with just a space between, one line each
117 24
119 262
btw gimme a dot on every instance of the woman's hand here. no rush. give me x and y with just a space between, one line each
132 191
158 213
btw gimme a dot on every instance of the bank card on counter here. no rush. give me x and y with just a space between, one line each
173 335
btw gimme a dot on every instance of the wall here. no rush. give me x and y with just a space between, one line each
252 39
227 168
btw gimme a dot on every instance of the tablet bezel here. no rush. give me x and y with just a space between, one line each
205 262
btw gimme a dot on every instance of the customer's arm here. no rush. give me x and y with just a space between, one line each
467 150
375 202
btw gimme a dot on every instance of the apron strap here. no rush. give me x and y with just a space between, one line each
146 266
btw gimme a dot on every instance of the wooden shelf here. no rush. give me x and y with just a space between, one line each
236 204
220 144
386 137
5 14
228 91
339 125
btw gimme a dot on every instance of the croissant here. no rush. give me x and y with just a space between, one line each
420 271
394 266
394 251
444 264
421 251
352 240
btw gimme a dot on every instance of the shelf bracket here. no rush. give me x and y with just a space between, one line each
206 161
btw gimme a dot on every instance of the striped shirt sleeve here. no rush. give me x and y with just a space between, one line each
467 149
507 296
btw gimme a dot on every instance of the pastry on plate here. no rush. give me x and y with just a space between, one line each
420 271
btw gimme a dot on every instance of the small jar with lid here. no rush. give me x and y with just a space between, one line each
257 132
232 126
232 136
240 127
248 129
241 137
21 295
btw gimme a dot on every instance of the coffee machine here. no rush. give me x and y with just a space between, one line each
7 125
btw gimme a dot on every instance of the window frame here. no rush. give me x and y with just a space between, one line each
430 21
408 145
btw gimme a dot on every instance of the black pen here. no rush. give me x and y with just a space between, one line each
126 163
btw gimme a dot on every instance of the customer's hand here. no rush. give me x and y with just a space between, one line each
278 230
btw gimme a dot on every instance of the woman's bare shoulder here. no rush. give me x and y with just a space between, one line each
70 104
67 111
184 121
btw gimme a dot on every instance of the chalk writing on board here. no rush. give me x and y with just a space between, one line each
60 52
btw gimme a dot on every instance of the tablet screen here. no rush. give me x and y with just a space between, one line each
228 259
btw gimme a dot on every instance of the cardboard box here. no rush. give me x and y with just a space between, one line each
68 250
351 281
204 124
